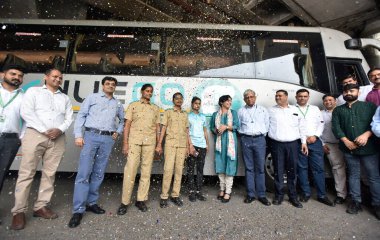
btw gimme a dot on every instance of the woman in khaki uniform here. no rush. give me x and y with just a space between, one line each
175 129
141 132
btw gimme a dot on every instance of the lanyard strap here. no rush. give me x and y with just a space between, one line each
304 114
9 102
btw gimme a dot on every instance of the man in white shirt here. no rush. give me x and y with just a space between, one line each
47 113
254 125
314 126
286 130
332 151
363 91
10 126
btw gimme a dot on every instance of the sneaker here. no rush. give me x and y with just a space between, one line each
354 207
177 201
200 196
192 197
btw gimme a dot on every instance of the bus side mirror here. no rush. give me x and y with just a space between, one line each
353 44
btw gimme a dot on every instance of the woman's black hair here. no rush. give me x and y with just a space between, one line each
195 98
224 98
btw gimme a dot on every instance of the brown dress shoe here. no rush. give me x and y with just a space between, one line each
45 212
18 221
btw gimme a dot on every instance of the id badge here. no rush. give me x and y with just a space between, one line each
2 118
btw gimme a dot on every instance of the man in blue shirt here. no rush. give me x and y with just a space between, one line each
254 125
97 117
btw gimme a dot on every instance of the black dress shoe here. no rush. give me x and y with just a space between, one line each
339 200
326 201
177 201
354 207
95 209
295 202
377 211
304 198
277 201
75 220
264 201
249 199
141 206
163 203
122 209
192 197
200 197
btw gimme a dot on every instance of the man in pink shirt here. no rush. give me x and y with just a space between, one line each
374 95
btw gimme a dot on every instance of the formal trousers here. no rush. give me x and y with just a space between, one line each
338 166
138 156
285 158
174 161
8 150
36 147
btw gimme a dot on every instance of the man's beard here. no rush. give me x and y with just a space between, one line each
13 83
350 98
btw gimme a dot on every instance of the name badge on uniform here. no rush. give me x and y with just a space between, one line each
2 118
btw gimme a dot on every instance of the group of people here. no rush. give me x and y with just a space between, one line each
297 136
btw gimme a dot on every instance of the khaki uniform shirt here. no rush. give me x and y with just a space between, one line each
176 123
144 117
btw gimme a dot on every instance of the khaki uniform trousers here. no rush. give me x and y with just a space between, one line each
37 147
137 155
338 165
174 160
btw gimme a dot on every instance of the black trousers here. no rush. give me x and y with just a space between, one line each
198 163
8 150
285 158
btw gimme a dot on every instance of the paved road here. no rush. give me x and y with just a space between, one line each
200 220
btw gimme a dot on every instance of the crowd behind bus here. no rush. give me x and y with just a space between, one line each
298 137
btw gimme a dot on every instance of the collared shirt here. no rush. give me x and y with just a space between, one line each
286 124
11 113
144 117
353 121
253 120
375 125
363 92
313 120
197 123
42 109
374 97
99 112
327 134
176 123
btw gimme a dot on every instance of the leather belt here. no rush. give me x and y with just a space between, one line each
252 136
97 131
9 135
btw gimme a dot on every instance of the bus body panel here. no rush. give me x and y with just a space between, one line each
128 90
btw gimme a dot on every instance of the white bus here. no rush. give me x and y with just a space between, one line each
201 60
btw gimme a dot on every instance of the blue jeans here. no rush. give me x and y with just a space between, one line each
371 165
254 149
315 158
285 157
92 165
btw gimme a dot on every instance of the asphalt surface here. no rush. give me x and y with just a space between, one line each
199 220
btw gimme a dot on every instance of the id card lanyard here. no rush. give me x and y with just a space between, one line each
3 106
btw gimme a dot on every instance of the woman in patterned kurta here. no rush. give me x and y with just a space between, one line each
224 124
